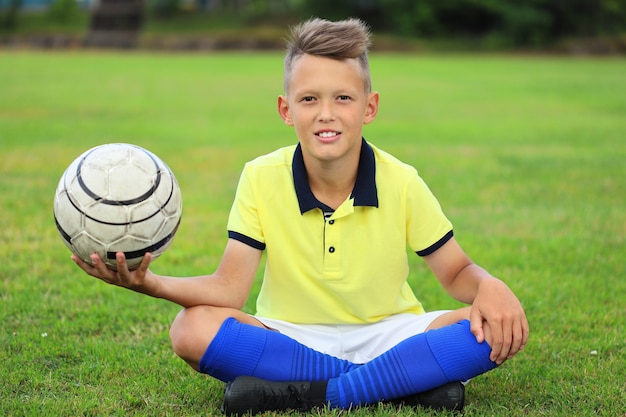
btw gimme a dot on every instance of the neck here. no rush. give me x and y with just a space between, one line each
332 183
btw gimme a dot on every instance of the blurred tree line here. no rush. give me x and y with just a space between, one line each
507 22
502 23
513 22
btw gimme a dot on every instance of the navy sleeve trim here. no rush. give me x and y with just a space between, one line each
247 240
432 248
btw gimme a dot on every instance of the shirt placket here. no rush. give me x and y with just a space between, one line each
332 237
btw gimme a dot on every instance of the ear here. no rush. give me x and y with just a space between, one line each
283 110
372 107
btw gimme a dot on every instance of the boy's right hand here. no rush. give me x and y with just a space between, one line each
141 279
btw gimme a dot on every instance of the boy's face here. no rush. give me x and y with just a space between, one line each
327 104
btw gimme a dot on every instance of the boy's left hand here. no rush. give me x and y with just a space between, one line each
506 328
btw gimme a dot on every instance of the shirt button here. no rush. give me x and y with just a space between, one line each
331 249
331 222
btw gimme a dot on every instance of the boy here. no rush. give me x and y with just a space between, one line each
337 324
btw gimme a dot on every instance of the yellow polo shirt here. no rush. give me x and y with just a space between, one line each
351 267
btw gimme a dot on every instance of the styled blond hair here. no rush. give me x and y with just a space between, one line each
345 39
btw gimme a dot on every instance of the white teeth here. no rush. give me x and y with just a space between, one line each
327 134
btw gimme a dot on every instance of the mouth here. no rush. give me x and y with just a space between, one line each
327 135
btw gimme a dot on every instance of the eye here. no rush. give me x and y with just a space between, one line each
343 98
308 99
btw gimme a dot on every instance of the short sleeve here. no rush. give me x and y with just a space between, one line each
243 220
427 226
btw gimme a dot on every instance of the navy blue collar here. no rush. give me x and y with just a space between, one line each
364 192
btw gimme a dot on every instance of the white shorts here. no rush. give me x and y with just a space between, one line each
357 343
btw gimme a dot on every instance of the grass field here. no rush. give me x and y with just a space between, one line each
526 155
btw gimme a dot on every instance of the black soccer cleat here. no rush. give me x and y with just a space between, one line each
450 396
252 395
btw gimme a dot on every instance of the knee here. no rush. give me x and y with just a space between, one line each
191 333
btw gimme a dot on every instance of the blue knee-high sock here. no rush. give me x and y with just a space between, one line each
417 364
242 349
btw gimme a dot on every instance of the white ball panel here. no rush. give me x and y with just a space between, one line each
107 156
69 219
145 212
128 182
107 214
94 177
105 232
164 192
77 195
84 245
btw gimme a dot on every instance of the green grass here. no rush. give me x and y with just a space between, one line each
526 155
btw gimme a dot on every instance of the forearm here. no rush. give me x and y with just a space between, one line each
224 290
460 276
200 290
465 285
229 286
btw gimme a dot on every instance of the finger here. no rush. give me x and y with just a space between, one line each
518 337
78 261
476 325
89 269
101 270
122 267
507 341
526 332
120 262
497 340
145 264
526 328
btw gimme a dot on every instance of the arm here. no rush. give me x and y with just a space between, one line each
228 286
491 299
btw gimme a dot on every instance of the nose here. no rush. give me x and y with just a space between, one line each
326 112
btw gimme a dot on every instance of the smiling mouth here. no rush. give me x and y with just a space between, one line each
327 134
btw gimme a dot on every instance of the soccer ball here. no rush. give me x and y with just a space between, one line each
117 197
